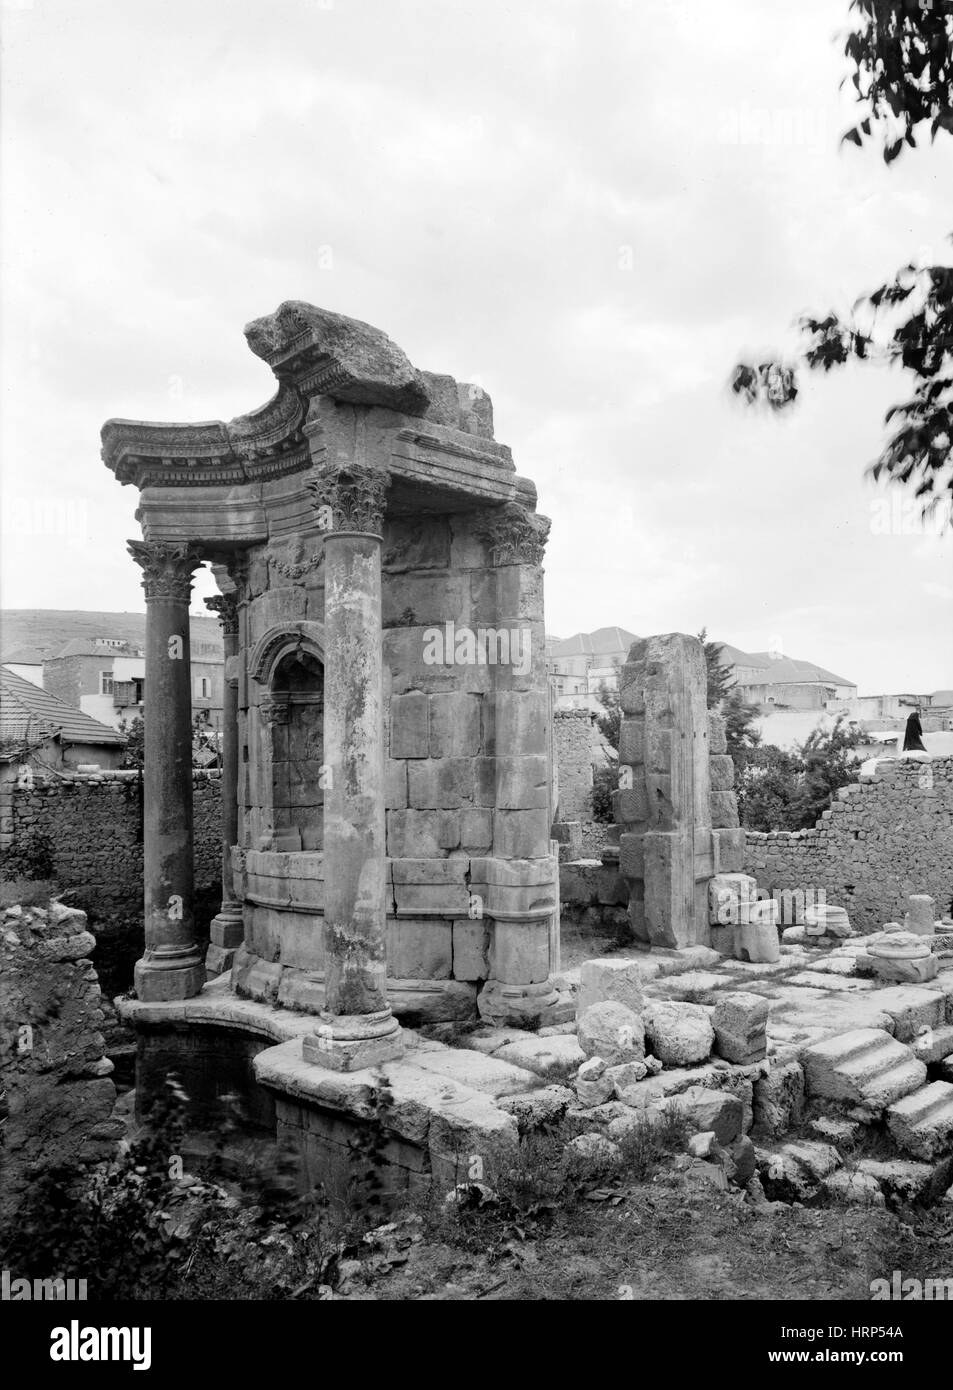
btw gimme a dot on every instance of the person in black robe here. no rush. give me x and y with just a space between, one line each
912 739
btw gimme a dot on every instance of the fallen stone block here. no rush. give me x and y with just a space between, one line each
595 1148
934 1044
740 1023
922 1123
679 1034
608 980
719 1111
700 1145
535 1109
593 1086
779 1099
900 1179
795 1170
624 1077
912 1008
853 1188
865 1067
612 1032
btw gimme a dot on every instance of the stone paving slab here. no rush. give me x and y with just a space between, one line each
488 1075
539 1054
837 983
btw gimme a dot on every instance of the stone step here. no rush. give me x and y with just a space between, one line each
922 1123
934 1044
864 1067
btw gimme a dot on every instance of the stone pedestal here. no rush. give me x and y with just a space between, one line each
172 966
357 1028
920 914
227 930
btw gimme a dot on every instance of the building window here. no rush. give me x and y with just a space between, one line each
203 687
105 682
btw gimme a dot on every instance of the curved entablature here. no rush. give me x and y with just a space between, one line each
286 639
265 443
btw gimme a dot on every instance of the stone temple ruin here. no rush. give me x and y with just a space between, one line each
388 806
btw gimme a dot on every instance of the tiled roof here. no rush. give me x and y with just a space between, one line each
605 641
24 707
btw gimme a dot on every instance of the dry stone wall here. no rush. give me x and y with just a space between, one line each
882 839
86 833
572 747
57 1099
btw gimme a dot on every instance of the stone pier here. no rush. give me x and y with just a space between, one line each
172 966
226 931
663 805
357 1027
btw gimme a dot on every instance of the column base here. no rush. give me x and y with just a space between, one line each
519 1006
218 959
159 979
351 1042
227 927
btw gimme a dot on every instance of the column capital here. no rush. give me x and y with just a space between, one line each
167 567
513 535
349 497
226 606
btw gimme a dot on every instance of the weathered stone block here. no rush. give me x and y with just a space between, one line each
680 1035
454 725
630 806
608 979
724 810
631 855
419 949
521 834
410 725
519 952
471 948
728 849
476 828
444 784
779 1099
522 783
632 741
740 1023
717 736
395 785
612 1032
413 834
721 771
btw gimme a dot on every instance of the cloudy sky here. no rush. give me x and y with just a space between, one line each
589 207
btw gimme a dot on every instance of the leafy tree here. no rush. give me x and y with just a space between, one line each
767 784
719 675
780 790
609 724
134 752
829 763
740 732
902 55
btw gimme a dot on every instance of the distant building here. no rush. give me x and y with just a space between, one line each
38 730
888 712
95 661
26 662
579 665
767 679
106 679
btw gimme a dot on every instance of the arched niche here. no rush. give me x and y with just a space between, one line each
289 664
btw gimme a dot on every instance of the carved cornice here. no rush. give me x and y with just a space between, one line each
267 443
513 535
167 567
349 497
226 606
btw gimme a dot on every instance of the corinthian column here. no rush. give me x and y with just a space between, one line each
172 965
357 1028
227 931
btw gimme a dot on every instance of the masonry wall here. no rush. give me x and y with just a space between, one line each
881 840
57 1097
91 826
572 746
